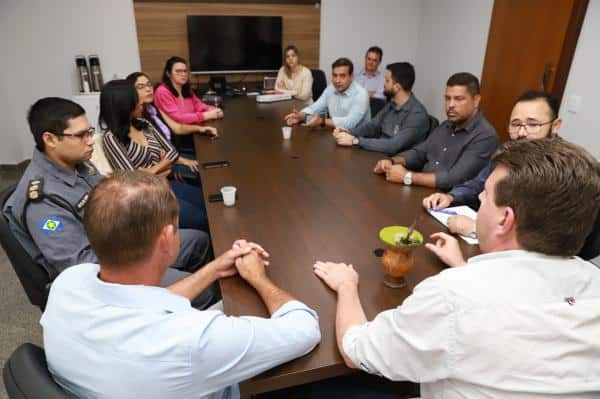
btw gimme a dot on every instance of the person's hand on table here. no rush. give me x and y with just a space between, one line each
447 249
190 163
336 275
225 264
294 118
251 267
382 166
437 201
314 121
210 131
396 173
343 137
461 224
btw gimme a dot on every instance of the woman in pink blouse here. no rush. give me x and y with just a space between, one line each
176 98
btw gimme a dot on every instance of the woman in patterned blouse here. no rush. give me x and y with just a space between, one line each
130 142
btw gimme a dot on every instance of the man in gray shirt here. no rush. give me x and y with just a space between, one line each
456 150
402 123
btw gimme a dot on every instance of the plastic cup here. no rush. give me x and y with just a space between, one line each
228 193
287 132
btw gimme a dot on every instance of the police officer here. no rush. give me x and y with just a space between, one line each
46 210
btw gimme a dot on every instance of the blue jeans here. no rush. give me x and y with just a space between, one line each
192 211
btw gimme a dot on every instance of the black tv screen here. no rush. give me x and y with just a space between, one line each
229 44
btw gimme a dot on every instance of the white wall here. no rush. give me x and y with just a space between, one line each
582 127
350 27
439 37
452 38
38 43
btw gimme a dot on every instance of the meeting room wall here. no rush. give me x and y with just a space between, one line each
581 123
38 42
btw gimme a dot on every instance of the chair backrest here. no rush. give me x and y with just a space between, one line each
376 104
32 276
433 123
319 83
26 375
99 157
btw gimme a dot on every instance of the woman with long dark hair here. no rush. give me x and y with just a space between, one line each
176 98
130 142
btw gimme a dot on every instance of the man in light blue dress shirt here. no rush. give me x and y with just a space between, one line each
344 103
110 330
370 77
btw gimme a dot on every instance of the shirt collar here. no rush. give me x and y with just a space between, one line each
470 126
364 73
506 255
51 168
133 296
348 92
406 107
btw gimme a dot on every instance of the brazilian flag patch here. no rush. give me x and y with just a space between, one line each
51 225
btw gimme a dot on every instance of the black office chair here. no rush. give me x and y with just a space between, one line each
319 83
26 375
433 123
376 105
32 276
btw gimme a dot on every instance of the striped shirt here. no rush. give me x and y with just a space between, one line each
137 155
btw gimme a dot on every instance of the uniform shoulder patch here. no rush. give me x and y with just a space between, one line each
51 225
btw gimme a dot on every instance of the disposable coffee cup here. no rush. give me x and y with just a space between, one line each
228 193
287 132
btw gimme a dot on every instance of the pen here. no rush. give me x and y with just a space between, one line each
446 211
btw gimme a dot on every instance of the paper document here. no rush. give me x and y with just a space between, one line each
442 215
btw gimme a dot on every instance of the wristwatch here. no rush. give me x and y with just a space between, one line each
355 141
408 179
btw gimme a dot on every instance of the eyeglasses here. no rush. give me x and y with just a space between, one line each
142 86
84 134
531 128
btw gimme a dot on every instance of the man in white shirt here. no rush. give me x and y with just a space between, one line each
520 320
110 330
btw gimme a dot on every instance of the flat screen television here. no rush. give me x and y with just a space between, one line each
234 44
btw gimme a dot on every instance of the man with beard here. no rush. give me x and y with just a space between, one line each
400 125
455 151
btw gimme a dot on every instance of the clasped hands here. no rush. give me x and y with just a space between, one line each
246 258
393 173
297 117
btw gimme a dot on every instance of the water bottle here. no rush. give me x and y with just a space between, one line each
84 75
96 73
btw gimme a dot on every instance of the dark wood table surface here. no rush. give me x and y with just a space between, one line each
304 200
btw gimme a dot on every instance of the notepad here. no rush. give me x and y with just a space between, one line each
442 215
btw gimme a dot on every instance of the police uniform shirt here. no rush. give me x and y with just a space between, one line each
59 239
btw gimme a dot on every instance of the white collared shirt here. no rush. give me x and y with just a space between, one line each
348 109
107 340
372 83
511 324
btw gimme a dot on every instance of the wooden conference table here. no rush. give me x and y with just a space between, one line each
306 199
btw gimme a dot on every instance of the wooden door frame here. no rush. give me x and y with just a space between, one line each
568 50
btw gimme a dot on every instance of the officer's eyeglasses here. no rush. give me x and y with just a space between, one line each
531 128
84 134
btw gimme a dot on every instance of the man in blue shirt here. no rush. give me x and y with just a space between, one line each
111 331
370 77
344 103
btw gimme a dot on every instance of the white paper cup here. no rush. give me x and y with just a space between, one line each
287 132
228 193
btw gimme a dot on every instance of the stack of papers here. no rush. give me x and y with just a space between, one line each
442 215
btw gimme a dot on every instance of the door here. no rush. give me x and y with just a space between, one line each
530 47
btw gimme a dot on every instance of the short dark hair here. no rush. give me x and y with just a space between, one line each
51 114
403 73
343 62
118 100
186 90
532 95
377 50
466 79
125 214
553 186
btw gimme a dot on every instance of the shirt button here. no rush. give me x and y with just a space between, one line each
453 135
437 162
444 149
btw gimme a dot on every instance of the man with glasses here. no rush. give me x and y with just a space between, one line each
46 210
534 116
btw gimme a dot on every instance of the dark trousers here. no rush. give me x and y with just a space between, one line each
192 211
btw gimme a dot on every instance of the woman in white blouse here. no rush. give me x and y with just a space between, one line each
293 77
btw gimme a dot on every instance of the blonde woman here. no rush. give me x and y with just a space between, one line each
293 77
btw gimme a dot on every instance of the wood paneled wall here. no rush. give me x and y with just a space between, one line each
162 31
